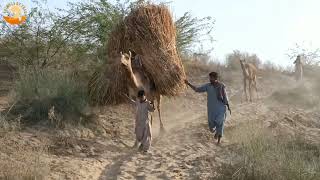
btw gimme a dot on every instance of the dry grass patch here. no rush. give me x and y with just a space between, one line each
262 156
304 94
20 160
37 91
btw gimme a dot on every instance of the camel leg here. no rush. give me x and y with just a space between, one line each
250 90
245 88
151 114
255 87
151 119
159 112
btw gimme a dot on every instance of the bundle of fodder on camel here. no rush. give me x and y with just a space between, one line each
108 84
150 32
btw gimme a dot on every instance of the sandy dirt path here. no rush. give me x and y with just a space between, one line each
186 151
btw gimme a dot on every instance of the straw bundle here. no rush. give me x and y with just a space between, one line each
107 87
149 31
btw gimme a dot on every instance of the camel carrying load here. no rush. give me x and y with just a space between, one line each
149 33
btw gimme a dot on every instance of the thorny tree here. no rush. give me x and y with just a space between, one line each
310 55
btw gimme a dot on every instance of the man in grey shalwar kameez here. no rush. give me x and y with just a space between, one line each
217 101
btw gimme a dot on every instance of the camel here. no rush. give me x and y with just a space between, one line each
138 79
298 68
249 74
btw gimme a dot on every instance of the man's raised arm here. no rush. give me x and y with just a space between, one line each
197 89
131 101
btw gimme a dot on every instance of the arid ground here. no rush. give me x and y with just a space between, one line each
253 146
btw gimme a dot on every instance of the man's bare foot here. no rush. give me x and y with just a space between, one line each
219 139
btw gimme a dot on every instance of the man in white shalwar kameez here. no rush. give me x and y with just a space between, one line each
142 122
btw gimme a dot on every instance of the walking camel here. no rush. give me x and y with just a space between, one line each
298 68
138 80
249 72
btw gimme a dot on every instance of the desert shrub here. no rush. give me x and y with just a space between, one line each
263 156
38 90
7 125
192 32
194 68
232 59
271 67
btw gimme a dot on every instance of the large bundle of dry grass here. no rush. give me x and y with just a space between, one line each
108 87
149 31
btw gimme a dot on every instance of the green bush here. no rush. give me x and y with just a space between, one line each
38 90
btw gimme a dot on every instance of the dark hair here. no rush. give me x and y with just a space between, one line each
140 93
214 75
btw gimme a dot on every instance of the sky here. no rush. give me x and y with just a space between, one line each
267 28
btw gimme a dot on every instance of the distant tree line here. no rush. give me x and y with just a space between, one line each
78 34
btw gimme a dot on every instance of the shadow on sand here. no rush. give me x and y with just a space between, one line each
113 170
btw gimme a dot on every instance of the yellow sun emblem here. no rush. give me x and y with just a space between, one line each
15 13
